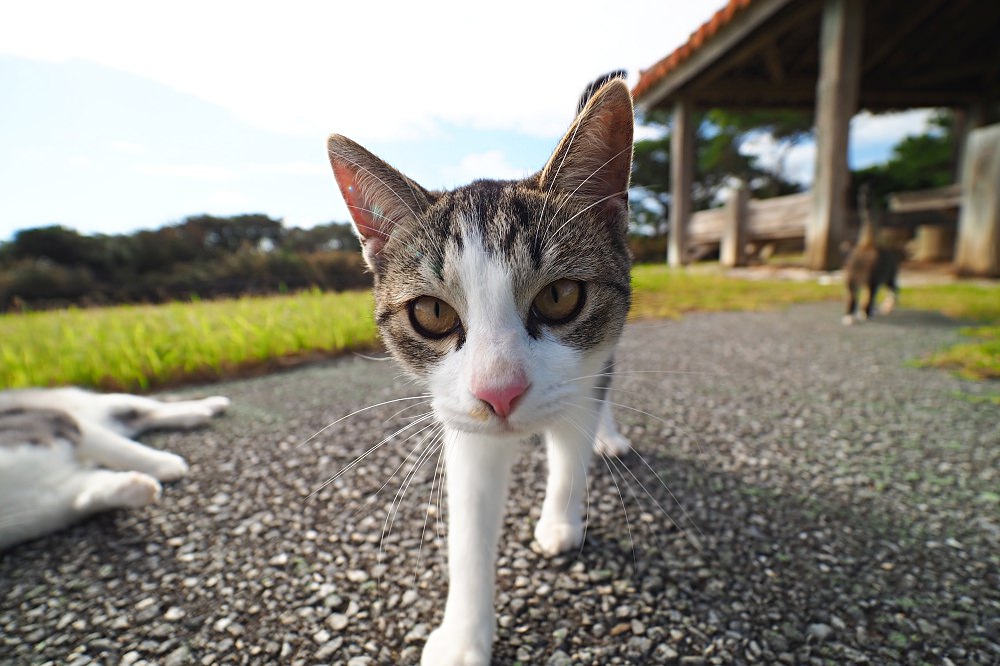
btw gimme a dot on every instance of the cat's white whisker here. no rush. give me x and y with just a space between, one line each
354 463
371 499
693 540
593 204
587 179
650 415
400 412
641 372
621 497
371 358
371 174
356 412
401 492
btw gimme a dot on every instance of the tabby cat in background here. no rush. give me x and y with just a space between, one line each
869 266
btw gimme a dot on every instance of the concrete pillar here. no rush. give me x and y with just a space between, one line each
836 102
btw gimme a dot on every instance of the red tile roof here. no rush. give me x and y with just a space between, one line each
650 77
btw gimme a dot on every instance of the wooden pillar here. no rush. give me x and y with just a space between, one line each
970 118
682 156
836 102
977 251
734 239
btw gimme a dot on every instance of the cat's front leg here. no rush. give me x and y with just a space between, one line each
569 444
109 449
478 469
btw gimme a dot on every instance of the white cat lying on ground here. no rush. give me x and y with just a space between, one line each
66 453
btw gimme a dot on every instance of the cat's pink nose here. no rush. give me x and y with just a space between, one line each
503 399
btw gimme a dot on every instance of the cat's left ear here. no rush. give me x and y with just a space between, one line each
594 159
379 197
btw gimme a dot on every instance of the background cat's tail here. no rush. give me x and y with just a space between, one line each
596 84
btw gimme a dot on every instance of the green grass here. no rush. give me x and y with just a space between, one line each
661 292
139 348
972 360
142 347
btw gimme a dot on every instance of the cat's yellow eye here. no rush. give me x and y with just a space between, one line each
432 318
559 302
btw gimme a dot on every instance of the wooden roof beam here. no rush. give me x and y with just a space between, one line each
908 22
772 62
751 18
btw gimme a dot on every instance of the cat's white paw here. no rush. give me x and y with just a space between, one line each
135 490
862 316
888 304
847 320
557 536
168 466
612 444
447 647
216 404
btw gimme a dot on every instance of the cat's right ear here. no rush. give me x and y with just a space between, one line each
379 198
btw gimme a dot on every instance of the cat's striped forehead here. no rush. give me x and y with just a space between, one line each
538 235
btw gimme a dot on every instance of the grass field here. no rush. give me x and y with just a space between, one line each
138 348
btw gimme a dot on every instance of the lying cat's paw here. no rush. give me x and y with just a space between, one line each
611 444
558 536
134 489
447 647
169 467
216 404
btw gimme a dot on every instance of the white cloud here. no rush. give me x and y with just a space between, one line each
490 164
196 171
889 127
82 161
128 147
293 168
867 129
365 69
229 199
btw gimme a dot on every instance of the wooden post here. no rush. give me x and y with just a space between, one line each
682 156
732 251
978 248
836 102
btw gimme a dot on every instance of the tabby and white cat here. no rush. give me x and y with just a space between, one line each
869 266
55 442
506 299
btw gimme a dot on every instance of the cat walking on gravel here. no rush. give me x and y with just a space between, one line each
868 267
505 299
67 453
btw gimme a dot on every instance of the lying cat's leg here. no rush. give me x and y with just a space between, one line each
63 494
101 490
109 449
478 469
135 414
569 443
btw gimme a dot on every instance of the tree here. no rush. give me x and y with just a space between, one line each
916 163
721 160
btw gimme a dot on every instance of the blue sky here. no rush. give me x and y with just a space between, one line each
116 116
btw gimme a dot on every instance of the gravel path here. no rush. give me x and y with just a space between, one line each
823 502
